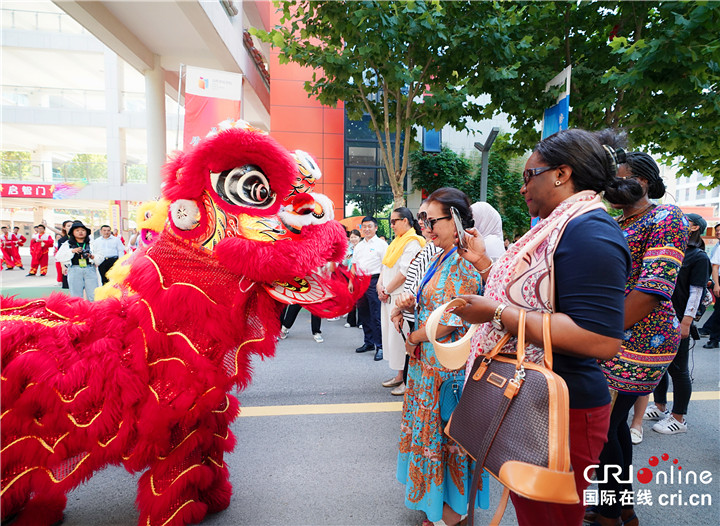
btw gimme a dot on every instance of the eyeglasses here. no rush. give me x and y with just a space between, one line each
430 223
393 221
532 172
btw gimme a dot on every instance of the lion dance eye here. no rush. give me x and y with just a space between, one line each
243 186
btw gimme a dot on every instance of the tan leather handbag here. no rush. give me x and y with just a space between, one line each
513 420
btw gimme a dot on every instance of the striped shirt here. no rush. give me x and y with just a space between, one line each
416 272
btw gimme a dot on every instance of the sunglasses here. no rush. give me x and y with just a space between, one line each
430 223
393 221
532 172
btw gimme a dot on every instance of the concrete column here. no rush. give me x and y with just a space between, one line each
156 131
115 136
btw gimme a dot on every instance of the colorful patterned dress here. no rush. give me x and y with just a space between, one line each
431 465
657 241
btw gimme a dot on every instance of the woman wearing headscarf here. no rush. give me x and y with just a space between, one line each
574 265
400 253
488 224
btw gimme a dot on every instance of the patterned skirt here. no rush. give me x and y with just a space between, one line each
430 464
648 348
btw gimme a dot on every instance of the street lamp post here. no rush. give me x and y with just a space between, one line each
485 149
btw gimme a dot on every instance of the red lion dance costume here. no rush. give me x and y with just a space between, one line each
143 379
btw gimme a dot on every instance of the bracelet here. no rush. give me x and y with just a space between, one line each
407 340
483 271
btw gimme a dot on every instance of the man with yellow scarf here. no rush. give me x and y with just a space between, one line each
406 245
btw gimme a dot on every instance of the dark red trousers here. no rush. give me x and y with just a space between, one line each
588 434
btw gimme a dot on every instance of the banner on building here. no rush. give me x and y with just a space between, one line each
211 97
42 191
555 117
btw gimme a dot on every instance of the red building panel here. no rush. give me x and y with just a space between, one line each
297 119
291 93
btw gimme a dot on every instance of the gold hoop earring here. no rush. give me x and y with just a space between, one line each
558 182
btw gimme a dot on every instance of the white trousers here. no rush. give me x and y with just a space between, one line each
393 344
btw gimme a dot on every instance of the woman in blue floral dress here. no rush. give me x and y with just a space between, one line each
657 236
436 473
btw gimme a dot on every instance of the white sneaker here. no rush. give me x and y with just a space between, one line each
318 337
653 413
284 333
347 325
670 426
334 319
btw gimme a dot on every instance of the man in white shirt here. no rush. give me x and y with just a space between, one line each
712 325
110 247
367 259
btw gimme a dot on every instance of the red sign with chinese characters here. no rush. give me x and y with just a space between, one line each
42 191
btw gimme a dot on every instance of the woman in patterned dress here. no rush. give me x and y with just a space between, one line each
435 472
657 236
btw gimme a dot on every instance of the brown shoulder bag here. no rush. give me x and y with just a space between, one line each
513 420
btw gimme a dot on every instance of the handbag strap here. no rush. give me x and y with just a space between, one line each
512 389
547 342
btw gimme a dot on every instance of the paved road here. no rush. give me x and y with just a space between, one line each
317 445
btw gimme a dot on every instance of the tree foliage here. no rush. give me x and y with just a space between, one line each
431 171
649 68
404 63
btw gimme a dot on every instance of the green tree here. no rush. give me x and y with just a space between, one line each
15 166
404 63
87 167
649 68
431 171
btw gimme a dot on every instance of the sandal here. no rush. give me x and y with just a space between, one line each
462 522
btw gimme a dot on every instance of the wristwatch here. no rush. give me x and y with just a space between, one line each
497 317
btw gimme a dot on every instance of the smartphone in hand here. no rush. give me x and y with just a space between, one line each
458 226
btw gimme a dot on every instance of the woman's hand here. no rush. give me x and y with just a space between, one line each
474 251
477 309
405 301
397 319
76 250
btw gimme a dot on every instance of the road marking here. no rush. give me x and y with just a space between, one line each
377 407
321 409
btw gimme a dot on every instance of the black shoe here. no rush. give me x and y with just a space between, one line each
711 345
378 354
704 332
31 274
365 348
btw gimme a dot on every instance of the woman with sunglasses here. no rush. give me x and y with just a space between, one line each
573 264
403 249
435 472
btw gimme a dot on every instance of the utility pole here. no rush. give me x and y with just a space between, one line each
485 150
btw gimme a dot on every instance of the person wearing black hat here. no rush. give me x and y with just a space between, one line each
76 254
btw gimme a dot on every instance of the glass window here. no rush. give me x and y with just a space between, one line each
365 155
360 179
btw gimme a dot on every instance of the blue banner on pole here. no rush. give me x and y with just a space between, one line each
556 117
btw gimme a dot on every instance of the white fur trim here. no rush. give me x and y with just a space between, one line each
185 214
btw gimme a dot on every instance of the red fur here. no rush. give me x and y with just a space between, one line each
144 380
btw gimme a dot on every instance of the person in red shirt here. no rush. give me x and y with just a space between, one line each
39 247
7 244
18 241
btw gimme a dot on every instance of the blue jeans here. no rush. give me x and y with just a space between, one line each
80 279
